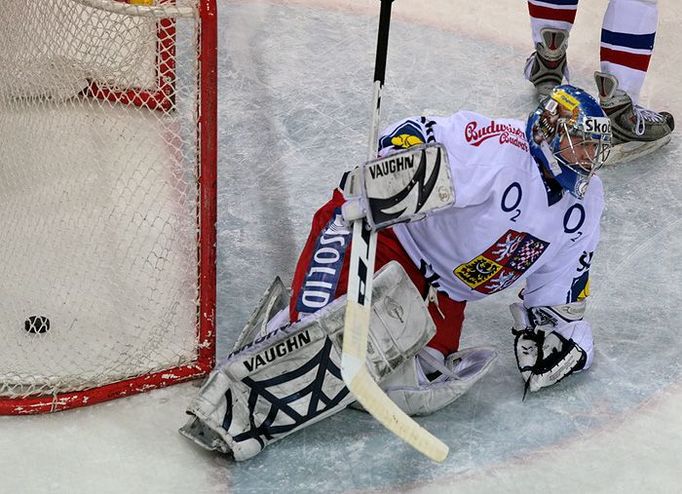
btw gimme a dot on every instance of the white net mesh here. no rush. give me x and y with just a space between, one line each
98 193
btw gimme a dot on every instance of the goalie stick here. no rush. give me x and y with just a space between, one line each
353 369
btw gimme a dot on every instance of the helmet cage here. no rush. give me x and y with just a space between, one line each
570 137
583 151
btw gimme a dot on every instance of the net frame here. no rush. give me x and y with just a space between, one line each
206 159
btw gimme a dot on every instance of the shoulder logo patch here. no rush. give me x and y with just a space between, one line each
408 134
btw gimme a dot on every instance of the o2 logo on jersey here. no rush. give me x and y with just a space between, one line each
574 220
511 198
502 263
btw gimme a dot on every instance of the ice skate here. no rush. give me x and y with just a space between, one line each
546 66
637 131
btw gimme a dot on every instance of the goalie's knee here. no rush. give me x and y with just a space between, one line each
291 378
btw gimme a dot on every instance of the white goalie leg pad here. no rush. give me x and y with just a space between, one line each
291 378
273 304
453 377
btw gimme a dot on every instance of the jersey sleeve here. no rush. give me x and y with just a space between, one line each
474 169
566 278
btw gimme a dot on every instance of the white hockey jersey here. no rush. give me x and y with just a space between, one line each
507 224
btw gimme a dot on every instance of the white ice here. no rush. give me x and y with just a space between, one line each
295 90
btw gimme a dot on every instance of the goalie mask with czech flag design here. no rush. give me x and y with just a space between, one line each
570 137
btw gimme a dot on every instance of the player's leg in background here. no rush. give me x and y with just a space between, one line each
551 22
627 42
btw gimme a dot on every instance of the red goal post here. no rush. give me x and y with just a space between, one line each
108 202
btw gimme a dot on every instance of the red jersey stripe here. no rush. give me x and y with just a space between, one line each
632 60
564 15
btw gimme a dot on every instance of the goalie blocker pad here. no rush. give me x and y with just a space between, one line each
402 187
291 378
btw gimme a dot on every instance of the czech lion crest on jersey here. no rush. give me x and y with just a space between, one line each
502 263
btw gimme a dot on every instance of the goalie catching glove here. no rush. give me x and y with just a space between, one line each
551 343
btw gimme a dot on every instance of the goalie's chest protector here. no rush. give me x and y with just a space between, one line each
504 224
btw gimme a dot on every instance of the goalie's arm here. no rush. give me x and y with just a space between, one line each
552 338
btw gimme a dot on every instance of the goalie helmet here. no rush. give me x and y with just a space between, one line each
570 137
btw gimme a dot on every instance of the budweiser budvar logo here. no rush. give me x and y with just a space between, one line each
507 134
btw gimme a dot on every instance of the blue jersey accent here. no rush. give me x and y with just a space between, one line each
577 291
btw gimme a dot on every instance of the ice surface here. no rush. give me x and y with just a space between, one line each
295 89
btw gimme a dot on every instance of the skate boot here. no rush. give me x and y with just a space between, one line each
546 66
636 130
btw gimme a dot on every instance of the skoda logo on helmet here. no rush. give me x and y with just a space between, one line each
597 125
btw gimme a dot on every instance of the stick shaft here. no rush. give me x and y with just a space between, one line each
379 74
359 296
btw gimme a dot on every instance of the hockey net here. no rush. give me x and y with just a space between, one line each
107 198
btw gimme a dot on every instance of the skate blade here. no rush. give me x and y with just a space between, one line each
629 151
